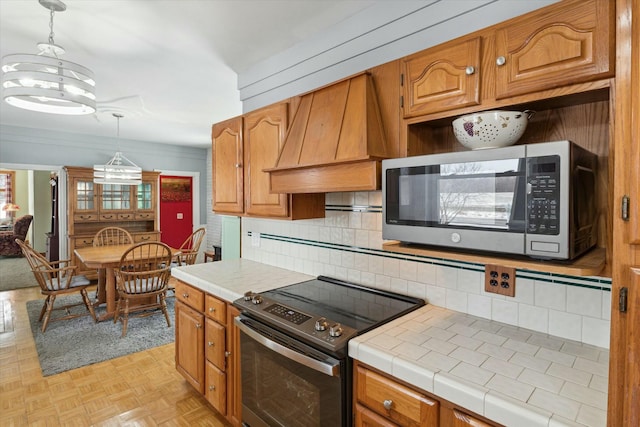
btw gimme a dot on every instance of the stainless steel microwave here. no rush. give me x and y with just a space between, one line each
537 200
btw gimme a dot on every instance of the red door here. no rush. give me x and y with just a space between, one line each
176 209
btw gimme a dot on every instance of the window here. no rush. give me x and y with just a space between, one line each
7 186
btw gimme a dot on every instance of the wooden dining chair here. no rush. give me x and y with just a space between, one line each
143 278
56 278
109 236
188 251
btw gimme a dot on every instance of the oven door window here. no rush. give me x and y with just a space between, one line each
488 195
278 391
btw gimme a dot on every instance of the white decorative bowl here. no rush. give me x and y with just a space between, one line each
491 129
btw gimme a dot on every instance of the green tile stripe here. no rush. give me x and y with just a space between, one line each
596 283
353 208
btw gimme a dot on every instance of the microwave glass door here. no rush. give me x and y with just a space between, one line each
488 195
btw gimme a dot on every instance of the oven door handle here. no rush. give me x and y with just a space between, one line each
331 369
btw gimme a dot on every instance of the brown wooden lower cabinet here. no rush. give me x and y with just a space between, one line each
383 401
207 349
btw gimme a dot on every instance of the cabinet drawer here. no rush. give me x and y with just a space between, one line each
215 389
145 215
85 217
405 405
108 217
215 309
189 295
215 343
144 237
82 242
125 216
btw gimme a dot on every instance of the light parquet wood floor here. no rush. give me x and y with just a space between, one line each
141 389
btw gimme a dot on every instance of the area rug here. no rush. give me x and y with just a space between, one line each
73 343
15 273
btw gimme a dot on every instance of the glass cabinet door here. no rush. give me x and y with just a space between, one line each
116 197
85 193
144 196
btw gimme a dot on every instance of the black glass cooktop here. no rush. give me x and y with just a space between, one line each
352 305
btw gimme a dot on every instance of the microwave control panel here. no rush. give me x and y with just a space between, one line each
543 195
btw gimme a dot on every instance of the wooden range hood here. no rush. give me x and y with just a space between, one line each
335 143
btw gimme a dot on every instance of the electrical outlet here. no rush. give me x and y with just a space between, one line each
500 280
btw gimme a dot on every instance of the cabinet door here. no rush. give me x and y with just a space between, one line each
234 385
146 196
115 198
216 389
215 343
367 418
227 161
567 44
264 132
84 195
190 345
442 78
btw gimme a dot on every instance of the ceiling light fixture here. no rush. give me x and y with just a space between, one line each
45 83
115 171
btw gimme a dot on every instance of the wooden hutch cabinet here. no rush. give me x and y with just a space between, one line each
95 206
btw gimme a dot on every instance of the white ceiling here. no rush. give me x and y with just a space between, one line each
169 66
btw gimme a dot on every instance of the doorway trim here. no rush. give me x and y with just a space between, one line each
195 193
62 198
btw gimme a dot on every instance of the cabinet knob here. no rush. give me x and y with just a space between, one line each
212 309
210 343
238 165
212 388
470 70
387 404
185 295
500 60
198 326
227 353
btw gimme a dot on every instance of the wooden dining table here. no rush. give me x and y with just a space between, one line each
107 258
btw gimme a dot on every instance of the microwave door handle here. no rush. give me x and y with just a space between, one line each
331 369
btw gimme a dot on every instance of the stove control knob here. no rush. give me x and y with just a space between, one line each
256 299
335 330
248 295
321 324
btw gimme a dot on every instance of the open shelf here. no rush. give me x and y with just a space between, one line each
590 264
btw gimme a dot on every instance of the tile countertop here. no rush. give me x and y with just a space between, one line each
230 279
513 376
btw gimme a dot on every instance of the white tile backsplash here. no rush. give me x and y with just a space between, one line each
578 311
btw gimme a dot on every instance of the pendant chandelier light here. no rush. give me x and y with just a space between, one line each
116 171
45 83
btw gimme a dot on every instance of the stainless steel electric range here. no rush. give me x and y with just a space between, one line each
294 356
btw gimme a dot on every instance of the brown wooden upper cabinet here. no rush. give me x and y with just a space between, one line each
443 78
227 152
242 148
568 44
264 132
565 44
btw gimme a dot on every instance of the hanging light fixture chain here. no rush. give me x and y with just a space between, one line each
51 33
